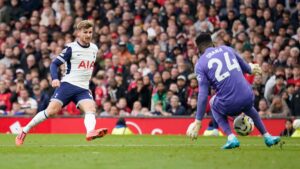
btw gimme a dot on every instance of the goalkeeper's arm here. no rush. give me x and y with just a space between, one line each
202 100
195 126
243 64
248 68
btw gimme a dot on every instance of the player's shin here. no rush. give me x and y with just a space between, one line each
89 121
257 120
40 117
222 122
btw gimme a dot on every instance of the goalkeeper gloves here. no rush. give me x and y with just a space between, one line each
255 69
193 129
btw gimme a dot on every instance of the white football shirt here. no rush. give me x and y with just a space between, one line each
79 62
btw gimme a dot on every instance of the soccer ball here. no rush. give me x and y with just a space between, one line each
243 125
296 124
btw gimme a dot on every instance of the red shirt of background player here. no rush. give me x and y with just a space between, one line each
5 100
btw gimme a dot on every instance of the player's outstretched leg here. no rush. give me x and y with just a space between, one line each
269 140
90 123
53 108
88 106
232 141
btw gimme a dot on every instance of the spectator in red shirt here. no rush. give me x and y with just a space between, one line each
296 76
132 84
213 17
5 95
100 91
192 88
71 109
280 86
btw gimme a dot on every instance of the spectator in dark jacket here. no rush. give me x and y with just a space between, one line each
288 130
182 90
41 97
16 10
142 93
296 102
5 12
175 108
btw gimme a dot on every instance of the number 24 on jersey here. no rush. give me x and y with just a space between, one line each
230 64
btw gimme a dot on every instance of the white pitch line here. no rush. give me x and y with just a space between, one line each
140 145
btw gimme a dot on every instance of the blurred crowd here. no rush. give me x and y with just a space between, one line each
147 53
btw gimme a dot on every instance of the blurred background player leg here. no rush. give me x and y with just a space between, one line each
269 140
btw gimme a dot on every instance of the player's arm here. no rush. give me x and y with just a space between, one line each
63 57
202 101
243 64
247 68
195 126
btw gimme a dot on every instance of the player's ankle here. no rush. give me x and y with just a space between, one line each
267 134
231 136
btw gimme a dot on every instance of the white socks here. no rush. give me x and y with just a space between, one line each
89 121
231 136
40 117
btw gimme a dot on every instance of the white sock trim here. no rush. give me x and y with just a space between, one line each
231 136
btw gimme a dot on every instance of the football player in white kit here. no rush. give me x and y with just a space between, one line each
79 58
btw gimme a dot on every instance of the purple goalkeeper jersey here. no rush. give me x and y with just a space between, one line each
222 68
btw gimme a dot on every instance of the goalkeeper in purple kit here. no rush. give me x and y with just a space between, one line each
222 68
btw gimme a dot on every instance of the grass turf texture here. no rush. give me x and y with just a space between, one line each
143 152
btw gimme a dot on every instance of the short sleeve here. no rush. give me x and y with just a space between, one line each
65 54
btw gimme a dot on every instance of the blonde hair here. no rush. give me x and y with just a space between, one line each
85 24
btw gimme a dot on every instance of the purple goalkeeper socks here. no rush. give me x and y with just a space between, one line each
257 120
222 122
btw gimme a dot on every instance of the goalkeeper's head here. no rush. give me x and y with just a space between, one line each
203 42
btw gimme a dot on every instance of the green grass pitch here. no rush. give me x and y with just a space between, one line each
144 152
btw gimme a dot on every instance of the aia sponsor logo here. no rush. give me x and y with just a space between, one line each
86 64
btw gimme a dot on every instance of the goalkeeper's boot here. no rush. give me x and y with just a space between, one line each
20 138
96 134
231 144
272 140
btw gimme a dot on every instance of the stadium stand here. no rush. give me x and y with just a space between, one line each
146 52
